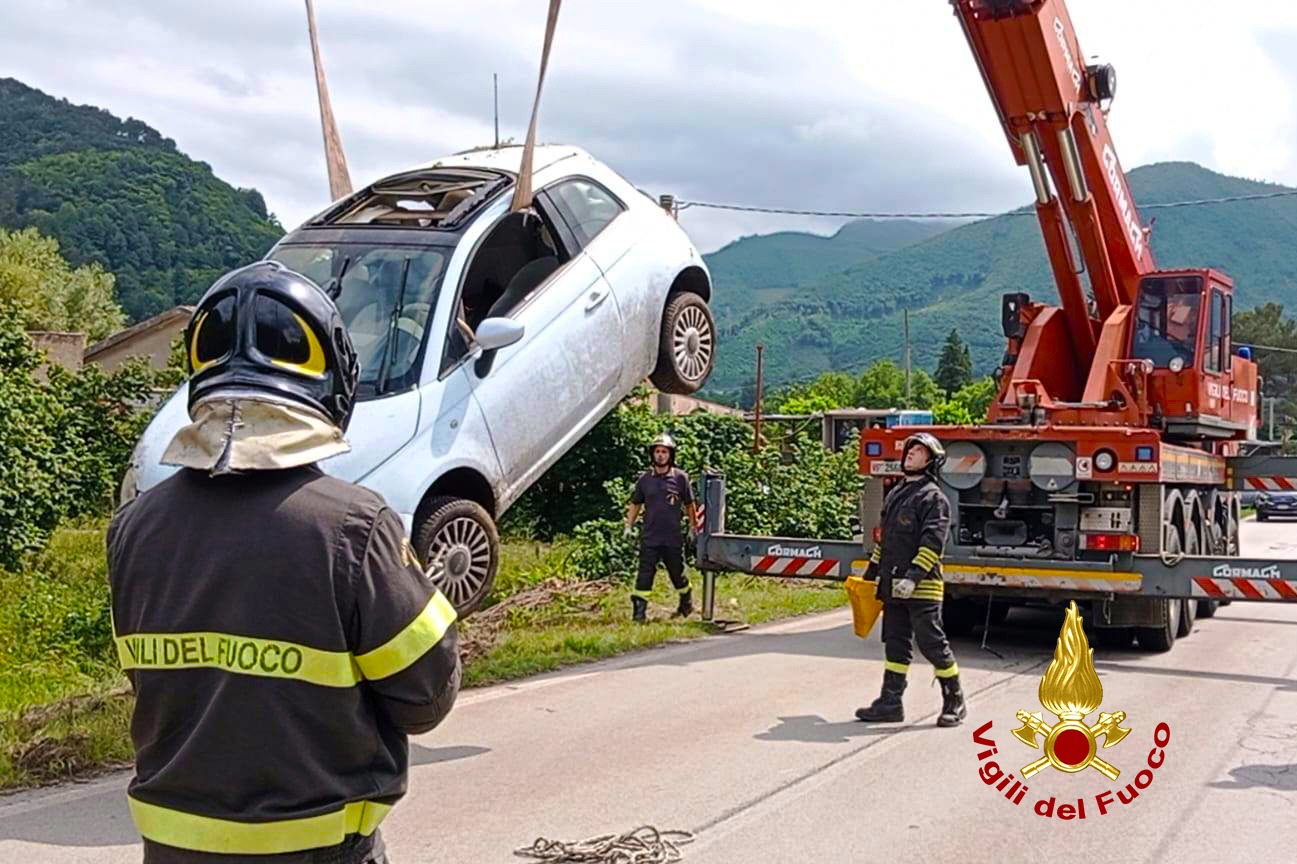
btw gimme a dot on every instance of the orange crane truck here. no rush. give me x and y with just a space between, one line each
1125 422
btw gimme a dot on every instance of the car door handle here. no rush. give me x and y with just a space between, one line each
596 297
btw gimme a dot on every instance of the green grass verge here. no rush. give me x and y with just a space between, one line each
65 709
554 637
63 712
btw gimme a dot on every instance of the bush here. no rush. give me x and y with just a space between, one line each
601 551
64 445
56 608
800 491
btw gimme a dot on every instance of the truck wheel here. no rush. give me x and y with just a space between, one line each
686 346
1162 637
460 549
1188 608
1207 608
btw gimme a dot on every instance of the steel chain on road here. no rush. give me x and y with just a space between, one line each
644 845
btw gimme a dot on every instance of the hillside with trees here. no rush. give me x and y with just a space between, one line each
117 193
848 319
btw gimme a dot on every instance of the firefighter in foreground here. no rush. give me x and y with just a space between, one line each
663 492
278 631
907 566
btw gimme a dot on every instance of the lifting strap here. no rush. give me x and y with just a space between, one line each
522 193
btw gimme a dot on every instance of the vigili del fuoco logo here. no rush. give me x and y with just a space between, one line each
1070 690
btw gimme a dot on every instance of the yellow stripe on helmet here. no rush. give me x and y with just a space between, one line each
194 363
314 365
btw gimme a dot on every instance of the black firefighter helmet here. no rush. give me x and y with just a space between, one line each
936 453
267 330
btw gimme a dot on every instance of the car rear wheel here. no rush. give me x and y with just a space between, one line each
687 345
460 549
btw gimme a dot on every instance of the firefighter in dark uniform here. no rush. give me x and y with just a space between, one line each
907 564
274 622
663 492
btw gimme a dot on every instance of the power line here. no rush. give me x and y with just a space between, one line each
849 214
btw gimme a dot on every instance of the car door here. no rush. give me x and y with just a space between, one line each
540 395
614 236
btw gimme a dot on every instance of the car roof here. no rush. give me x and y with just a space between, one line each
508 158
502 162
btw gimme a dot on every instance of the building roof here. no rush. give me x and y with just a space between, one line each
148 325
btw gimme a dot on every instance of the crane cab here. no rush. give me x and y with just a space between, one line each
1199 388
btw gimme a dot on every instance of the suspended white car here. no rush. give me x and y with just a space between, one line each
490 341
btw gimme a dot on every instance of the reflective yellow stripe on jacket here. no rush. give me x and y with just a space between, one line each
205 834
242 655
926 559
274 658
411 643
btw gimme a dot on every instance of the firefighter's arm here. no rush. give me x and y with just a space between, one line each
935 513
876 556
404 635
633 508
691 505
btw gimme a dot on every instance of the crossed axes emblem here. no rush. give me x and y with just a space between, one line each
1070 730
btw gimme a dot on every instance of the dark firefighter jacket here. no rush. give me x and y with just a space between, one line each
282 642
916 517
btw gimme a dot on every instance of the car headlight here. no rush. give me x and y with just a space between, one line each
1104 460
1176 364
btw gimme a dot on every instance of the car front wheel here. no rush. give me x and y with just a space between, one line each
687 345
460 549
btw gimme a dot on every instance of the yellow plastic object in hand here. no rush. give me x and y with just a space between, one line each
865 605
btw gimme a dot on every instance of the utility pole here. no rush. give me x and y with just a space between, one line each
495 89
756 431
908 392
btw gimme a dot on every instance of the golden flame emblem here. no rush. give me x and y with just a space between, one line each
1070 688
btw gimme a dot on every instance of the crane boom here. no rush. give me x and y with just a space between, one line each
1051 108
1105 359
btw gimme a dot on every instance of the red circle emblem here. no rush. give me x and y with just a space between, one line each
1072 747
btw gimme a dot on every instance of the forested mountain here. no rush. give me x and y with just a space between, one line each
118 193
853 316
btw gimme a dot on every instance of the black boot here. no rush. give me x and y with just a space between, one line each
639 610
887 708
686 607
953 707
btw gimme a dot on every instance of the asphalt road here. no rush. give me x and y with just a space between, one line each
748 740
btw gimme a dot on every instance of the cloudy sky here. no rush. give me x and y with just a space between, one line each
818 104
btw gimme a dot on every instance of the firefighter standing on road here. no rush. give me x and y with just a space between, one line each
663 492
907 565
275 625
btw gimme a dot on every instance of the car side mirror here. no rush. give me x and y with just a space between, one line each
492 335
496 333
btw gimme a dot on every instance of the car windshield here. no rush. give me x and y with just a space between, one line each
386 295
1167 323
